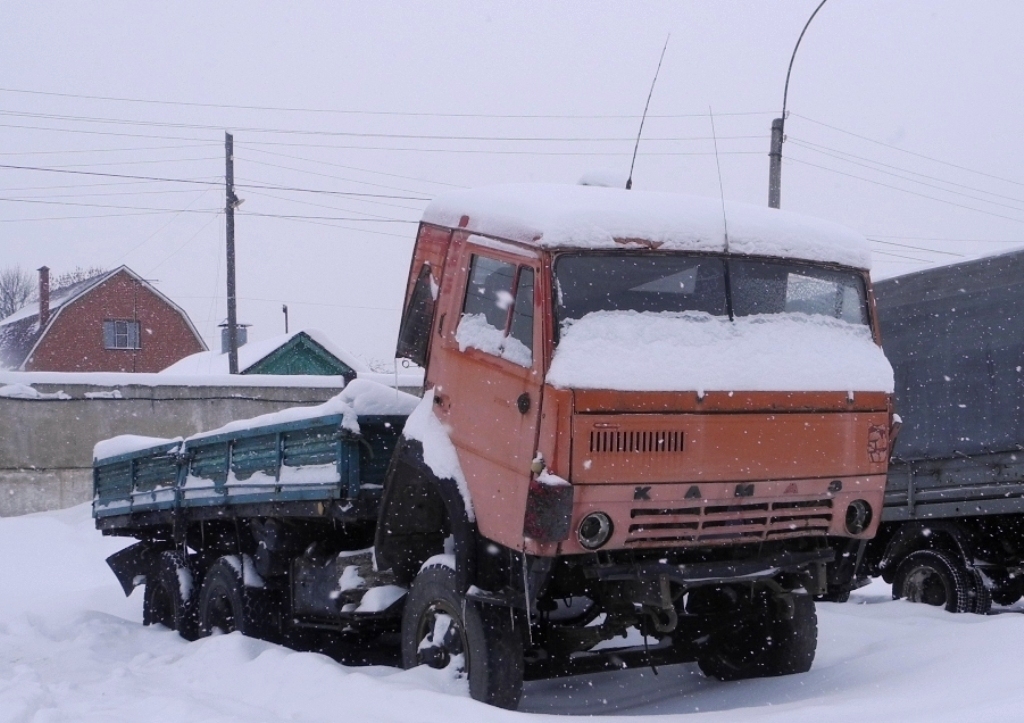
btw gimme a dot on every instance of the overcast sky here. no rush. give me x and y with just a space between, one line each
905 125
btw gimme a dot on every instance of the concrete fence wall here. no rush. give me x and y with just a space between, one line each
46 444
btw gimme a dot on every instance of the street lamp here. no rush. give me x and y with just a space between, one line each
778 127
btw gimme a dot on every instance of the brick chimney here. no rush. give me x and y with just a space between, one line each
44 296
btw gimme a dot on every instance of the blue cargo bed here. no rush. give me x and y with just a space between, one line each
310 460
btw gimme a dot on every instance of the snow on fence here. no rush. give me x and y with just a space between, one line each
50 422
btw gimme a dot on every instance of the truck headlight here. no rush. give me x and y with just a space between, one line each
858 517
595 529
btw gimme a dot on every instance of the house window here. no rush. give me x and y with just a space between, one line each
120 334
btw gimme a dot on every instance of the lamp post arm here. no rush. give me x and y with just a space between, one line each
785 91
779 125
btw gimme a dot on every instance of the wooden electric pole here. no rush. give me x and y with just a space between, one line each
231 201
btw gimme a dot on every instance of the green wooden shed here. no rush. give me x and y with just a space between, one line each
301 355
302 352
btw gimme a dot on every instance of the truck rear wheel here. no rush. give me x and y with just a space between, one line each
169 597
933 577
226 604
764 636
440 628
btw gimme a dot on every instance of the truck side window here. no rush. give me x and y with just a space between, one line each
487 309
414 335
519 346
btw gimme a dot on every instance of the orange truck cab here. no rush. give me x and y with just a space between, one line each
645 417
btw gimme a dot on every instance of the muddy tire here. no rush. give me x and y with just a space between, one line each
763 636
170 598
934 577
440 628
226 605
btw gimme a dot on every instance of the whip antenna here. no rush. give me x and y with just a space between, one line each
629 181
721 188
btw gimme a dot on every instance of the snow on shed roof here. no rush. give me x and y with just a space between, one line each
215 363
558 216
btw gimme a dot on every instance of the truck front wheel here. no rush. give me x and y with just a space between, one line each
442 629
169 598
759 635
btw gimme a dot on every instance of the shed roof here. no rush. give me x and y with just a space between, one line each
564 216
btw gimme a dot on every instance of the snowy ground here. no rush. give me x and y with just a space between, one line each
72 649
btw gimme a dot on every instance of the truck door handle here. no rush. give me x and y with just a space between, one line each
523 403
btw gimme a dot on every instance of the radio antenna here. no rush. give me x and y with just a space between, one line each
629 181
721 188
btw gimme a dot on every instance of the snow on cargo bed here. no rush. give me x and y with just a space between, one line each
126 444
360 397
553 215
695 351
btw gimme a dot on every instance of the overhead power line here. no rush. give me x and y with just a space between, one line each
85 217
346 167
423 114
871 164
108 150
790 159
909 153
106 205
915 248
50 169
953 240
351 134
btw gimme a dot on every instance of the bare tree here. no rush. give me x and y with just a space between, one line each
73 277
17 288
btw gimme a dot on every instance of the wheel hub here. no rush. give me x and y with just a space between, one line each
442 638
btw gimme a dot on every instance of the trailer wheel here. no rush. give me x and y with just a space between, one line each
764 636
979 594
227 605
1005 590
442 629
933 577
169 598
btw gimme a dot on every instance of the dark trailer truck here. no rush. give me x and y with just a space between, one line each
952 531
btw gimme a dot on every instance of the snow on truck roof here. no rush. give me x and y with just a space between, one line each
562 216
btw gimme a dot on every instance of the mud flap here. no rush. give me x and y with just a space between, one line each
132 564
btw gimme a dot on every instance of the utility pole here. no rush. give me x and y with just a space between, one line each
778 129
775 164
231 202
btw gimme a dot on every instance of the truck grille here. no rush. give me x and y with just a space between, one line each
752 521
644 441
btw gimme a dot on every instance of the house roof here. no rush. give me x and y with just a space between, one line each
549 215
20 332
250 355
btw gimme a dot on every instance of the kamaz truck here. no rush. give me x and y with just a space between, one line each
645 416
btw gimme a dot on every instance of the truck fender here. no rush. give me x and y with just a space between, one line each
134 563
937 535
418 512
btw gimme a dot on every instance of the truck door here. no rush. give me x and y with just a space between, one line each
487 379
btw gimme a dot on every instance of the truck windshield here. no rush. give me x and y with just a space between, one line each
676 283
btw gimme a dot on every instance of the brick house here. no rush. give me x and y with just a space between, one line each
113 322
